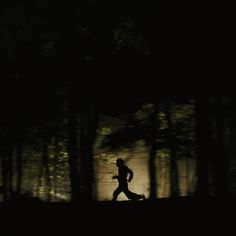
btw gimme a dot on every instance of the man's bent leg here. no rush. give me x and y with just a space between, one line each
116 193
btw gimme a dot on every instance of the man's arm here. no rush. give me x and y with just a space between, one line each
131 174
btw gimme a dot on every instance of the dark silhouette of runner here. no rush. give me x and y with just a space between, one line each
123 172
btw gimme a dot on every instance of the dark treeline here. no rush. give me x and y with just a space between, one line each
63 66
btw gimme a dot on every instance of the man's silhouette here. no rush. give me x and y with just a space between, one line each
123 172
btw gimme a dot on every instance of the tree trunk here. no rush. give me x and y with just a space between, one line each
55 158
173 153
152 153
72 147
4 179
7 174
88 127
10 172
221 161
203 144
47 171
19 168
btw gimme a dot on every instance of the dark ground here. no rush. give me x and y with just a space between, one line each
113 218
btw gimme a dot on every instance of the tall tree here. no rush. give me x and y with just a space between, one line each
173 151
203 143
73 145
220 159
19 168
89 118
152 144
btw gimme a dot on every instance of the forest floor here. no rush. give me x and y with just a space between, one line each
123 218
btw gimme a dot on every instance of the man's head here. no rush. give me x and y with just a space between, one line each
119 162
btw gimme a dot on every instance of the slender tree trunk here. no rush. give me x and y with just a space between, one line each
44 172
152 154
4 179
9 173
173 153
56 155
40 177
221 161
88 128
19 168
4 154
47 171
203 137
72 147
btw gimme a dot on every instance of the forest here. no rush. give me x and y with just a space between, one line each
87 82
